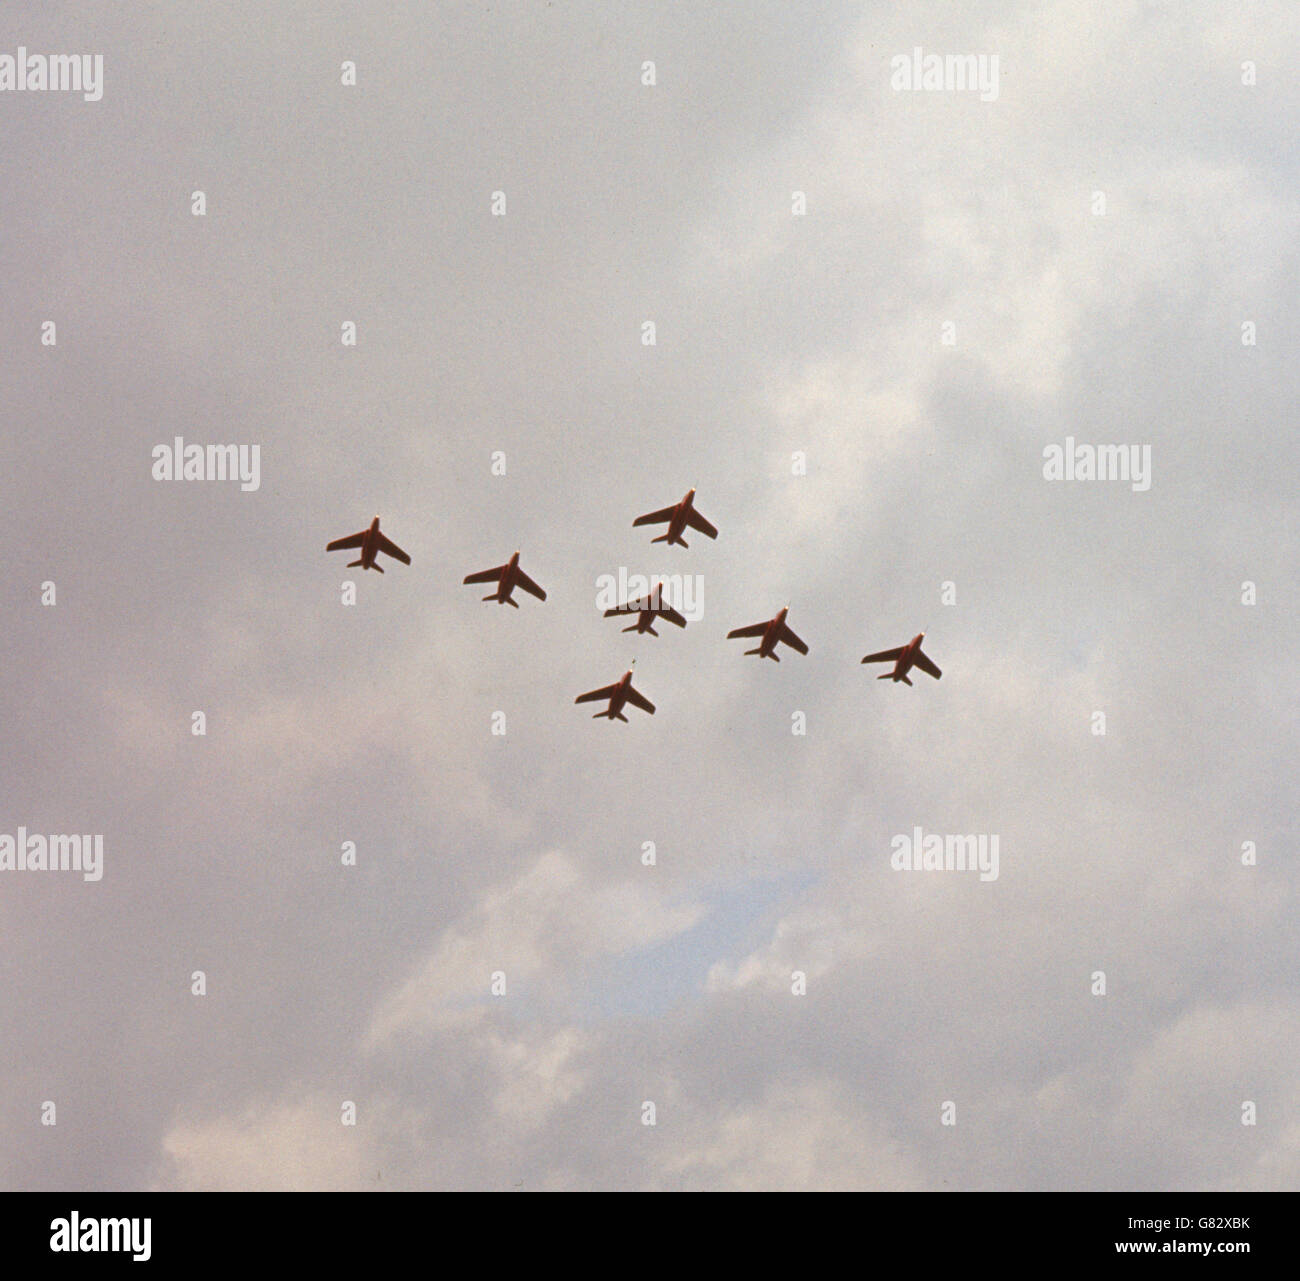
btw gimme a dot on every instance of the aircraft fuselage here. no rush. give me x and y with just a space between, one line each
767 646
619 697
907 659
508 579
677 525
370 545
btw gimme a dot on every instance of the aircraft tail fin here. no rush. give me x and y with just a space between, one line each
907 680
663 538
352 564
377 567
753 651
620 717
888 676
510 600
631 629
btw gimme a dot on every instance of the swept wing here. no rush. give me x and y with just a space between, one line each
387 545
885 655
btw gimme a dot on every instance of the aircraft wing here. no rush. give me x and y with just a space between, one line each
697 521
343 544
486 575
528 585
792 640
387 545
672 616
885 656
597 695
656 518
756 630
926 665
640 701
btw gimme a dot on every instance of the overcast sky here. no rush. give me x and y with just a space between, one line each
778 335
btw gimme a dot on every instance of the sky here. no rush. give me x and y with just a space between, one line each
874 308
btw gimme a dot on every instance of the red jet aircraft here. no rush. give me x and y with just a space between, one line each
647 609
507 577
678 517
371 542
620 693
772 632
904 658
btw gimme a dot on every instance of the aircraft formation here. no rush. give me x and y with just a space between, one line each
679 517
